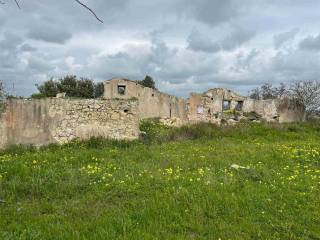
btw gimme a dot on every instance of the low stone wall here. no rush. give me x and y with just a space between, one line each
290 111
267 109
47 121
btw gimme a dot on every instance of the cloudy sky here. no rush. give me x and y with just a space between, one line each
185 45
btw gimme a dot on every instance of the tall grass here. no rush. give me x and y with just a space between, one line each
249 181
159 133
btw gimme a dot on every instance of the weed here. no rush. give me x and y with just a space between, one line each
176 183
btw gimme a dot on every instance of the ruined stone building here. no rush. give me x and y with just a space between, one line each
152 103
125 103
214 105
222 104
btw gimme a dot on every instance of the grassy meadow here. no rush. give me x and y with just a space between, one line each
250 181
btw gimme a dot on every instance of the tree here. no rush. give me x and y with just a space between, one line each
282 91
255 93
148 82
98 90
68 85
306 93
2 93
85 88
268 91
73 87
48 88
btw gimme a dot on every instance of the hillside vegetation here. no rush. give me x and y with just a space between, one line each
251 181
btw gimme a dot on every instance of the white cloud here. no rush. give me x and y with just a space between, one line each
281 38
311 43
184 44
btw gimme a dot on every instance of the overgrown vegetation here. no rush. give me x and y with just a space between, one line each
2 97
73 87
148 82
304 93
2 92
251 181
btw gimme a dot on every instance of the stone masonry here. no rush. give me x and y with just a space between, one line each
125 103
216 105
47 121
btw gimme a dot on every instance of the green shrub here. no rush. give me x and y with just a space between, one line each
2 107
73 87
14 149
195 131
38 96
148 82
154 131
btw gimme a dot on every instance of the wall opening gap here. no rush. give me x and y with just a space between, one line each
226 105
239 105
121 89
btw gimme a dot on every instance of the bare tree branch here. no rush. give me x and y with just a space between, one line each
307 93
16 1
85 6
77 1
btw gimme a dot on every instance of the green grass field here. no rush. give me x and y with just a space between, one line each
173 184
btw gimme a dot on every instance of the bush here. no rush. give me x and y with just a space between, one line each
2 107
148 82
68 85
154 131
73 87
48 88
37 96
2 92
195 131
98 90
85 88
18 149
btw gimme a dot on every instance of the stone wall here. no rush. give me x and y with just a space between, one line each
214 105
47 121
59 120
152 103
267 109
290 111
209 106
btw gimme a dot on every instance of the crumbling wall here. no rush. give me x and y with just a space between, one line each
152 103
290 111
47 121
3 135
194 107
267 109
209 105
214 105
281 110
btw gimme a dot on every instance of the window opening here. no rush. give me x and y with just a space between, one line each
226 105
200 109
239 106
121 89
